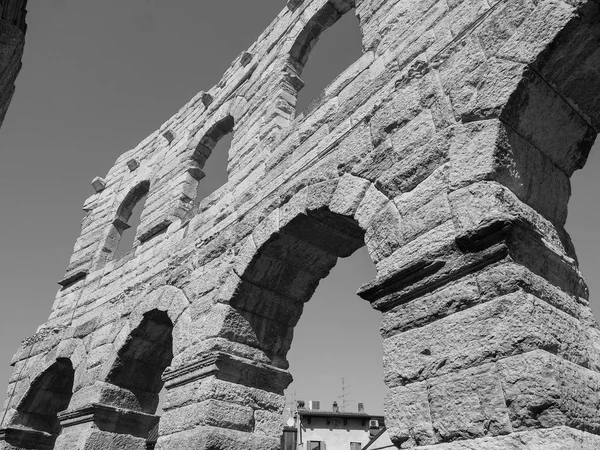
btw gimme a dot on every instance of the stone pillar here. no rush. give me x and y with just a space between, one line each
106 427
488 336
223 401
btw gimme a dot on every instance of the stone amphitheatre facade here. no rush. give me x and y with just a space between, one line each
446 149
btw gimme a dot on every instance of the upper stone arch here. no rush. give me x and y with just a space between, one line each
169 300
129 200
309 21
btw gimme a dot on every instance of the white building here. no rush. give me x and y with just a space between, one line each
316 429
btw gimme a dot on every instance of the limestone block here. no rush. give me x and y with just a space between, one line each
268 423
559 438
428 246
97 439
412 168
509 325
304 151
371 204
348 195
211 412
537 31
510 277
397 112
210 438
385 234
408 415
430 307
481 204
225 391
425 192
99 184
427 217
468 405
545 391
353 146
411 20
320 195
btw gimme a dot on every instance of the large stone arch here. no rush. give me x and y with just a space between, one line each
119 407
35 422
280 267
313 19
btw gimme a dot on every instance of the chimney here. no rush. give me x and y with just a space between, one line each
336 409
361 407
314 405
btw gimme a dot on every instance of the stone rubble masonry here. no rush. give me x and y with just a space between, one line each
446 149
12 41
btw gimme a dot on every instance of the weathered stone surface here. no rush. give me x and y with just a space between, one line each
559 438
12 41
446 149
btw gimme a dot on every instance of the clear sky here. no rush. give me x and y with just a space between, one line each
97 78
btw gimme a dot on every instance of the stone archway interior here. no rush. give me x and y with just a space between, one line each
143 359
49 394
285 273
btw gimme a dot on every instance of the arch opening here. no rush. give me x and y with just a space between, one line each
50 393
121 238
284 274
142 360
338 51
338 47
211 156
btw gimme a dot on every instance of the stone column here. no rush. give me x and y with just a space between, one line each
225 401
488 336
106 427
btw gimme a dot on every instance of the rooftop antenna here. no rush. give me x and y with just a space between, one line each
344 394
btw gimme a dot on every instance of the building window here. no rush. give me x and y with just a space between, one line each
355 446
316 445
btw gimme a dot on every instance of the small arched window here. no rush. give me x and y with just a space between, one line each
337 50
122 235
212 172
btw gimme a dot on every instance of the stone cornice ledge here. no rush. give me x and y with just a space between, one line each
28 437
230 368
109 418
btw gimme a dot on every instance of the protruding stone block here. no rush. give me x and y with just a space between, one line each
110 420
246 58
133 164
229 368
294 4
99 184
169 135
207 99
